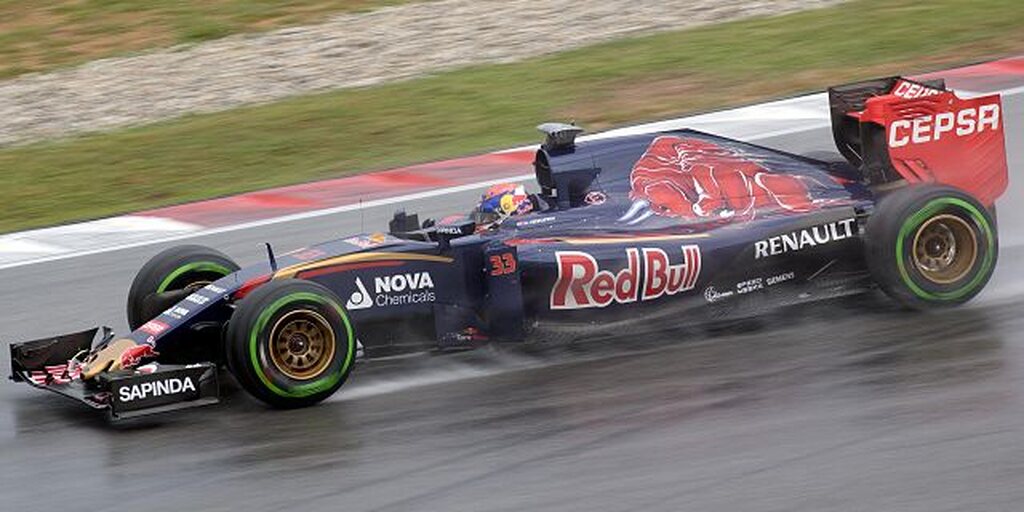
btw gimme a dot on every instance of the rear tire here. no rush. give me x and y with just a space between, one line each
290 343
931 246
183 268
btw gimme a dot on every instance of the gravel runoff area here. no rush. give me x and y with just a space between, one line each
349 50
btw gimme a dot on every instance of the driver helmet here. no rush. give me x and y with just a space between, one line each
502 201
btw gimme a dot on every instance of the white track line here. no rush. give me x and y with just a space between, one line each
265 222
808 112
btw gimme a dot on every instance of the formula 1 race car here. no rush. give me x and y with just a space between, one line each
660 228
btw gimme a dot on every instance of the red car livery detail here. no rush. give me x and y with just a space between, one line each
154 327
693 178
133 356
55 374
910 90
582 284
938 137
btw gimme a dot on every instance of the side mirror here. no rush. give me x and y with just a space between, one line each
403 223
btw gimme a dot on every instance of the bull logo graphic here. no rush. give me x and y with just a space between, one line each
691 178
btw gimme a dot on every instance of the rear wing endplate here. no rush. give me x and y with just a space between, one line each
896 129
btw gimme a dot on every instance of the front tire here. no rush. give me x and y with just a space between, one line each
184 269
931 246
290 343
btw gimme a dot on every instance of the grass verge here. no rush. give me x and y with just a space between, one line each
476 109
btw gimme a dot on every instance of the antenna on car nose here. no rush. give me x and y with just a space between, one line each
270 256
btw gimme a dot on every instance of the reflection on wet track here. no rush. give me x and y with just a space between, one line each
836 407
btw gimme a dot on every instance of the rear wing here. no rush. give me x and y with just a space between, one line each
896 129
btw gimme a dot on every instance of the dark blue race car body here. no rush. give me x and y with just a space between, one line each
508 282
658 229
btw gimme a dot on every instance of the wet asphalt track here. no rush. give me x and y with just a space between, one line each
847 406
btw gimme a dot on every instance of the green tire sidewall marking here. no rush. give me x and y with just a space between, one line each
915 221
318 385
199 266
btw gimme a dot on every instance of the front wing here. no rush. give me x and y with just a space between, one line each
49 364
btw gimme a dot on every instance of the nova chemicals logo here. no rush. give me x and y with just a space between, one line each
404 289
360 298
393 290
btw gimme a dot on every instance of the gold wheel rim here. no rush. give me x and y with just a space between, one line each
302 344
945 249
